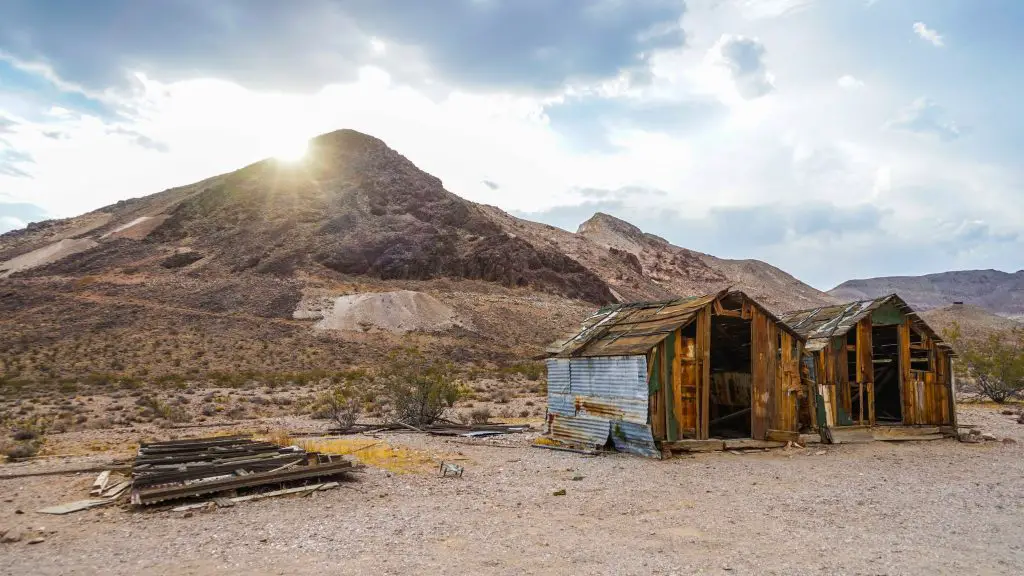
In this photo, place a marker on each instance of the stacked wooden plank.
(187, 468)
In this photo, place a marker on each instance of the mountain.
(975, 323)
(250, 271)
(998, 292)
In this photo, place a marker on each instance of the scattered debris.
(1009, 441)
(989, 437)
(100, 484)
(228, 502)
(820, 453)
(577, 478)
(449, 469)
(188, 468)
(37, 540)
(75, 506)
(560, 492)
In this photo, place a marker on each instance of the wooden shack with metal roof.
(874, 363)
(646, 377)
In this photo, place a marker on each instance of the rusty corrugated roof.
(817, 325)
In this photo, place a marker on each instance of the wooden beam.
(750, 443)
(694, 445)
(783, 436)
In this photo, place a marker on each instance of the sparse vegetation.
(340, 405)
(995, 364)
(418, 388)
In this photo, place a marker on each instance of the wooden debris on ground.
(209, 466)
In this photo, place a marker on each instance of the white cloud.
(8, 223)
(848, 82)
(928, 34)
(758, 9)
(923, 116)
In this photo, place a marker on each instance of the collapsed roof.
(820, 324)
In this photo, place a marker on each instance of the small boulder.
(559, 492)
(989, 437)
(1008, 412)
(1009, 441)
(12, 535)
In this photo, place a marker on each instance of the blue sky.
(836, 139)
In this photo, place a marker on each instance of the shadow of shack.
(873, 363)
(648, 377)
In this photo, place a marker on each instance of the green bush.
(419, 389)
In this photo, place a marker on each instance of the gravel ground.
(938, 507)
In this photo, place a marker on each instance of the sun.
(291, 150)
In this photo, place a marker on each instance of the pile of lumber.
(226, 464)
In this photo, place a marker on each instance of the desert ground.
(938, 507)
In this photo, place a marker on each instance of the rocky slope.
(975, 323)
(219, 275)
(998, 292)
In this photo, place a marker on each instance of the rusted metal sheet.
(580, 431)
(634, 439)
(590, 398)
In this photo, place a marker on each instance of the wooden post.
(860, 395)
(703, 353)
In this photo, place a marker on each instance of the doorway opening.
(731, 381)
(885, 355)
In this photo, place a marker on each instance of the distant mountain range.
(998, 292)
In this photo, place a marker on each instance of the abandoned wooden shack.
(873, 363)
(647, 377)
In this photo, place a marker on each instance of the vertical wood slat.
(763, 351)
(865, 369)
(671, 428)
(686, 354)
(679, 398)
(658, 398)
(703, 369)
(907, 387)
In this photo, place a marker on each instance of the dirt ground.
(937, 507)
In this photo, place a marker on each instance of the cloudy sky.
(836, 139)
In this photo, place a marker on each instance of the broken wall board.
(917, 438)
(75, 506)
(852, 435)
(100, 483)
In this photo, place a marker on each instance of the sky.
(835, 139)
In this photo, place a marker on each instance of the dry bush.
(480, 415)
(995, 365)
(20, 450)
(340, 405)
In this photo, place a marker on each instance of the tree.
(995, 364)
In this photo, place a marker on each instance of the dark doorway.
(731, 382)
(885, 354)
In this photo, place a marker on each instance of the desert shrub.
(154, 407)
(340, 405)
(480, 415)
(419, 389)
(994, 364)
(19, 450)
(502, 397)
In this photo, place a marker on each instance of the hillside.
(975, 323)
(998, 292)
(249, 271)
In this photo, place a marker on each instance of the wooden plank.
(763, 373)
(751, 443)
(100, 483)
(907, 389)
(783, 436)
(694, 445)
(704, 370)
(918, 438)
(805, 439)
(665, 373)
(75, 506)
(657, 400)
(678, 396)
(223, 502)
(852, 435)
(117, 489)
(905, 430)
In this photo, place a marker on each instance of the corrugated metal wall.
(590, 399)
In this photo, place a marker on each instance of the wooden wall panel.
(686, 361)
(907, 387)
(703, 370)
(763, 357)
(657, 399)
(787, 385)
